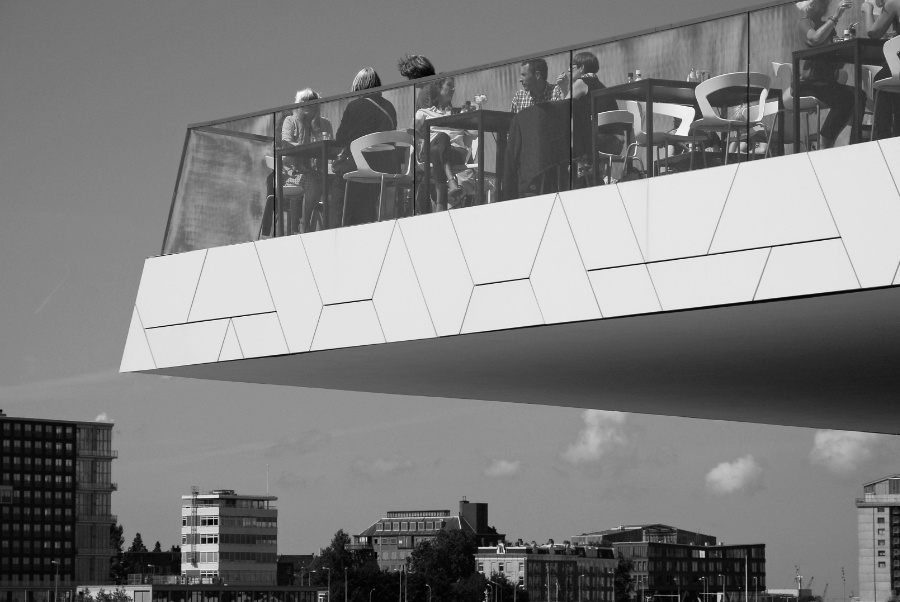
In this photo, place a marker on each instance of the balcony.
(95, 453)
(750, 276)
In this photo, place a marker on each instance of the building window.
(881, 542)
(882, 565)
(881, 531)
(880, 552)
(881, 508)
(880, 520)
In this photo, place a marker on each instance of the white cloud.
(503, 468)
(602, 432)
(842, 452)
(744, 474)
(102, 417)
(382, 467)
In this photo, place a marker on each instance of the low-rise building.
(878, 523)
(553, 572)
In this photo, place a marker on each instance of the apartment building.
(878, 522)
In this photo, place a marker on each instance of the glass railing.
(695, 96)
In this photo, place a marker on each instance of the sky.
(95, 97)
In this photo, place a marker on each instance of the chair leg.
(344, 212)
(727, 142)
(380, 198)
(874, 110)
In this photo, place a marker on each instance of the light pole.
(723, 587)
(370, 594)
(580, 586)
(345, 584)
(56, 584)
(755, 590)
(308, 578)
(705, 587)
(678, 584)
(328, 568)
(429, 592)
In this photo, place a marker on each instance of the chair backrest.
(615, 117)
(381, 141)
(637, 114)
(784, 79)
(891, 48)
(683, 113)
(740, 79)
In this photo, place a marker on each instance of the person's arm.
(579, 89)
(286, 131)
(876, 28)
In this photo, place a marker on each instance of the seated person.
(448, 147)
(302, 126)
(365, 115)
(887, 106)
(535, 87)
(820, 78)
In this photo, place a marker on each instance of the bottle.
(637, 74)
(630, 77)
(693, 76)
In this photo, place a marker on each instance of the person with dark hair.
(414, 66)
(535, 87)
(448, 147)
(819, 77)
(364, 115)
(886, 119)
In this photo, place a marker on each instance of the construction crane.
(824, 599)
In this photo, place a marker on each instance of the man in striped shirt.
(535, 87)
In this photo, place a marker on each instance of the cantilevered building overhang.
(764, 292)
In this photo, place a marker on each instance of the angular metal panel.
(231, 347)
(293, 289)
(502, 305)
(624, 291)
(137, 354)
(865, 205)
(187, 344)
(260, 335)
(167, 288)
(558, 278)
(232, 284)
(500, 240)
(773, 202)
(679, 216)
(807, 269)
(710, 280)
(440, 269)
(398, 299)
(346, 261)
(601, 227)
(348, 325)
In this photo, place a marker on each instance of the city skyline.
(95, 109)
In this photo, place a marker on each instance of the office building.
(878, 522)
(635, 533)
(229, 538)
(393, 537)
(553, 572)
(55, 506)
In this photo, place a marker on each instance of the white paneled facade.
(779, 228)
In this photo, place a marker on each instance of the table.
(482, 120)
(672, 91)
(323, 150)
(858, 52)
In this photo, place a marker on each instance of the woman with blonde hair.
(302, 126)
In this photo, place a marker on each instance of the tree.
(116, 537)
(624, 583)
(337, 557)
(138, 544)
(157, 547)
(447, 564)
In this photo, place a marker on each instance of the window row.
(19, 428)
(410, 525)
(17, 444)
(27, 479)
(55, 513)
(202, 521)
(27, 461)
(261, 557)
(249, 521)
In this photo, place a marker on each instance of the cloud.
(382, 467)
(502, 469)
(744, 474)
(299, 445)
(602, 432)
(102, 417)
(842, 452)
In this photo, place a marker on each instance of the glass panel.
(654, 77)
(389, 161)
(223, 195)
(829, 87)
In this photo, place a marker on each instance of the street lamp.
(370, 594)
(429, 592)
(329, 581)
(345, 584)
(755, 590)
(580, 586)
(705, 588)
(308, 578)
(56, 584)
(723, 587)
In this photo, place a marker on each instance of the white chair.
(892, 83)
(383, 142)
(712, 122)
(784, 78)
(661, 140)
(610, 119)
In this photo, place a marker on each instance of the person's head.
(533, 74)
(813, 9)
(414, 66)
(308, 111)
(586, 62)
(365, 79)
(441, 91)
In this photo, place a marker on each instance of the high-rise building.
(229, 538)
(393, 537)
(55, 506)
(878, 521)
